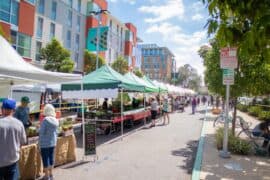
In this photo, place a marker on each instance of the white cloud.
(172, 9)
(197, 17)
(132, 2)
(183, 45)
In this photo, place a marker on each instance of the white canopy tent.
(15, 70)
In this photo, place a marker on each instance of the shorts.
(47, 155)
(164, 112)
(154, 114)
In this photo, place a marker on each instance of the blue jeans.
(47, 155)
(9, 172)
(193, 109)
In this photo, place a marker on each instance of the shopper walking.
(48, 139)
(154, 111)
(165, 111)
(193, 105)
(12, 137)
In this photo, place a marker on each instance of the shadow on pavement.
(189, 153)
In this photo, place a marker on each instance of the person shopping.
(262, 130)
(48, 140)
(154, 111)
(12, 137)
(165, 111)
(22, 112)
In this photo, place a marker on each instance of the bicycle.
(221, 119)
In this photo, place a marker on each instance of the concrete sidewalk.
(237, 167)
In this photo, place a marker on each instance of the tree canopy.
(120, 65)
(138, 72)
(244, 24)
(188, 77)
(90, 61)
(57, 57)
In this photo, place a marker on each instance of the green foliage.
(188, 77)
(120, 65)
(254, 110)
(244, 24)
(126, 98)
(235, 144)
(2, 33)
(264, 115)
(138, 73)
(242, 107)
(90, 62)
(266, 101)
(57, 57)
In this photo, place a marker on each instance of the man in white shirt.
(13, 136)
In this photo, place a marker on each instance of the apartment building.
(157, 62)
(31, 24)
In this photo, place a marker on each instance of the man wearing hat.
(13, 136)
(22, 112)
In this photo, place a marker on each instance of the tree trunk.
(234, 115)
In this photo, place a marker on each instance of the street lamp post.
(98, 14)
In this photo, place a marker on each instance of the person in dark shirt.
(262, 130)
(105, 104)
(22, 112)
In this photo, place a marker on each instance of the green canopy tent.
(160, 88)
(149, 88)
(102, 83)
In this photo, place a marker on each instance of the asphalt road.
(158, 153)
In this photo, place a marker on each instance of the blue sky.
(177, 24)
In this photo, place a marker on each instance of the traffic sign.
(228, 58)
(228, 76)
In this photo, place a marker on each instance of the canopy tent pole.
(83, 122)
(144, 99)
(122, 113)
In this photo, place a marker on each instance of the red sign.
(228, 58)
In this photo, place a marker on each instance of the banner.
(92, 38)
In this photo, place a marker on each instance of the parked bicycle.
(221, 119)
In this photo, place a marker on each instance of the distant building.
(157, 62)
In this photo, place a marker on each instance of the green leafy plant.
(264, 115)
(242, 107)
(254, 110)
(120, 65)
(235, 144)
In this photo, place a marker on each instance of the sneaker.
(45, 178)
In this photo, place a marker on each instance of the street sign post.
(228, 58)
(228, 77)
(228, 62)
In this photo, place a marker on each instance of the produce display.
(32, 131)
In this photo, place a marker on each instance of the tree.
(138, 72)
(244, 24)
(57, 57)
(188, 77)
(251, 78)
(90, 61)
(120, 65)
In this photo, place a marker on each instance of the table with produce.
(30, 162)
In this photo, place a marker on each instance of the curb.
(198, 161)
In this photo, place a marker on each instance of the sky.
(176, 24)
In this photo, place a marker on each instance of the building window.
(76, 59)
(69, 18)
(77, 42)
(54, 10)
(52, 30)
(68, 39)
(79, 5)
(31, 1)
(39, 27)
(41, 4)
(9, 10)
(22, 44)
(14, 12)
(38, 48)
(78, 23)
(70, 3)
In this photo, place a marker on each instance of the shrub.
(265, 101)
(235, 144)
(242, 107)
(254, 110)
(264, 115)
